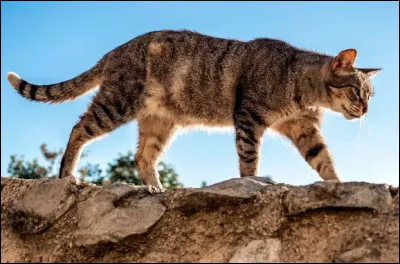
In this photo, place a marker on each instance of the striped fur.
(60, 92)
(167, 80)
(305, 134)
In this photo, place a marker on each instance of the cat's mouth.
(350, 115)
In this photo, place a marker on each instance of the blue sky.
(48, 42)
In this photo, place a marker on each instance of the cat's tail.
(59, 92)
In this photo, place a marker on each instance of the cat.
(167, 80)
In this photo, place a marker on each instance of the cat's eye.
(356, 91)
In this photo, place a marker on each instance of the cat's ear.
(369, 72)
(344, 61)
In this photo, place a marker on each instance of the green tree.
(51, 157)
(122, 169)
(203, 184)
(92, 173)
(26, 170)
(168, 176)
(32, 170)
(268, 177)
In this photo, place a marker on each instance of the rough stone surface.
(334, 194)
(258, 251)
(239, 220)
(233, 191)
(43, 204)
(115, 212)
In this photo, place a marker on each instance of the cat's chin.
(349, 116)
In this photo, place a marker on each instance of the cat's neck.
(314, 90)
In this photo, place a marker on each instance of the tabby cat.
(167, 80)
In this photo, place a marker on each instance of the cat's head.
(349, 88)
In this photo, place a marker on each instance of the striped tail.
(60, 92)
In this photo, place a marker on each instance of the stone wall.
(239, 220)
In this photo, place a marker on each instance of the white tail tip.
(14, 79)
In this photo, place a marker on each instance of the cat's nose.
(365, 109)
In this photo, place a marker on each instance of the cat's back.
(174, 45)
(193, 75)
(270, 52)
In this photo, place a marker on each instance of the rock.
(361, 254)
(334, 194)
(394, 190)
(37, 208)
(235, 190)
(239, 220)
(238, 187)
(115, 212)
(258, 251)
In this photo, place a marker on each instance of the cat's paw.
(70, 176)
(156, 189)
(333, 180)
(330, 176)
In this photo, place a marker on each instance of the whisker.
(360, 139)
(368, 128)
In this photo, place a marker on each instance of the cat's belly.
(196, 115)
(201, 117)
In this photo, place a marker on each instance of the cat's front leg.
(154, 136)
(306, 136)
(249, 131)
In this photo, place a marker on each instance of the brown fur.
(167, 80)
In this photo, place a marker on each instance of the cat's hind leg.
(109, 110)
